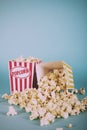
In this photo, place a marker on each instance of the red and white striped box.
(21, 75)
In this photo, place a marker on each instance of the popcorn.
(11, 101)
(50, 117)
(44, 121)
(81, 91)
(41, 97)
(28, 108)
(53, 95)
(59, 128)
(29, 59)
(5, 96)
(34, 101)
(69, 108)
(19, 59)
(47, 119)
(41, 111)
(83, 104)
(11, 111)
(22, 104)
(69, 125)
(32, 59)
(34, 115)
(65, 115)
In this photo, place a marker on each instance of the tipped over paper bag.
(65, 75)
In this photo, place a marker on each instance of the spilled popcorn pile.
(56, 77)
(50, 101)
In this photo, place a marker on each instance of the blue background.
(50, 30)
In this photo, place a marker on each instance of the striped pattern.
(69, 75)
(20, 75)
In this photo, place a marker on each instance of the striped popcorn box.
(65, 74)
(69, 75)
(21, 75)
